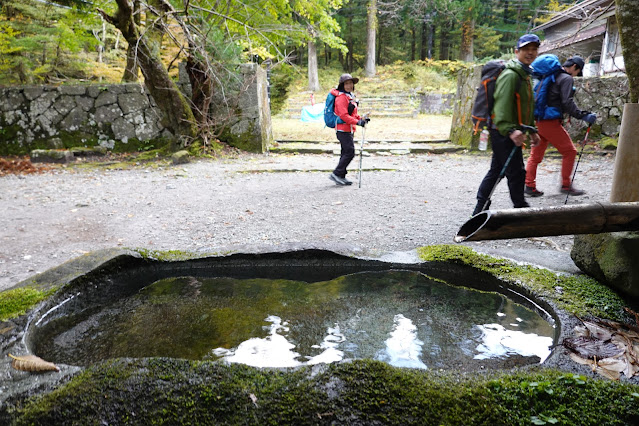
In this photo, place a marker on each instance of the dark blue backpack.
(330, 118)
(545, 68)
(484, 99)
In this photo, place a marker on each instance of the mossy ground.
(168, 391)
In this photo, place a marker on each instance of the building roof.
(583, 10)
(573, 38)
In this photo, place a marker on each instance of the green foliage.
(487, 43)
(282, 78)
(18, 301)
(40, 42)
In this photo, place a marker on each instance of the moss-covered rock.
(168, 391)
(612, 259)
(180, 157)
(580, 295)
(51, 156)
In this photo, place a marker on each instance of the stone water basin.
(290, 309)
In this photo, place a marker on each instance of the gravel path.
(257, 202)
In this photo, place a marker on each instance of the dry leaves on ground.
(21, 166)
(608, 347)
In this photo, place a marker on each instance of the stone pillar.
(613, 258)
(252, 130)
(625, 179)
(461, 129)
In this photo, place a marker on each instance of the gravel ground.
(260, 202)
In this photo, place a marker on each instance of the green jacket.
(505, 109)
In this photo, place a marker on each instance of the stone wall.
(605, 96)
(120, 117)
(66, 116)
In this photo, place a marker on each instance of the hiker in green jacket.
(513, 107)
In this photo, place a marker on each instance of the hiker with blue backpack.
(341, 113)
(512, 117)
(553, 99)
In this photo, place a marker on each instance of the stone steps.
(378, 147)
(400, 105)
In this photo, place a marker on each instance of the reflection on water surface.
(403, 318)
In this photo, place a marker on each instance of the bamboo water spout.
(544, 222)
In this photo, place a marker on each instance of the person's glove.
(590, 118)
(363, 121)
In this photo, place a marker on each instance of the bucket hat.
(346, 77)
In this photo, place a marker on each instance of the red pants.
(551, 131)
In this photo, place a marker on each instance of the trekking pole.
(583, 144)
(361, 154)
(502, 173)
(501, 176)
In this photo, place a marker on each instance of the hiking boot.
(532, 192)
(522, 206)
(338, 180)
(348, 182)
(570, 190)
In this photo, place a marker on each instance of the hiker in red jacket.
(346, 110)
(560, 96)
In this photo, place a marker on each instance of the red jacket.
(342, 99)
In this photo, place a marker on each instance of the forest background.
(417, 42)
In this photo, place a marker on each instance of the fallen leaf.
(608, 347)
(32, 363)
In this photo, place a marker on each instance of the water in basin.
(404, 318)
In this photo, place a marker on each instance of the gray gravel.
(260, 202)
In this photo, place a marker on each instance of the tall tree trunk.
(627, 13)
(466, 47)
(349, 45)
(132, 69)
(422, 50)
(444, 43)
(506, 11)
(371, 28)
(413, 43)
(313, 77)
(327, 54)
(430, 39)
(380, 46)
(178, 115)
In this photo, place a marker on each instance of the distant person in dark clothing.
(560, 96)
(513, 107)
(346, 110)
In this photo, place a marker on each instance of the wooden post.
(625, 178)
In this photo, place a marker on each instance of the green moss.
(18, 301)
(166, 391)
(580, 295)
(608, 143)
(170, 255)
